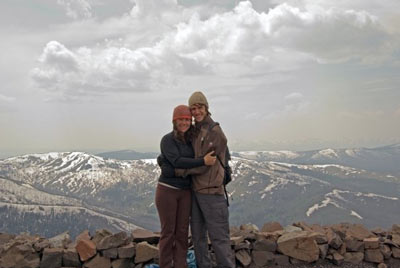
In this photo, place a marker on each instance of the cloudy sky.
(98, 75)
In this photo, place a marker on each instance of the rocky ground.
(298, 245)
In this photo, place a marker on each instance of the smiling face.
(199, 112)
(182, 124)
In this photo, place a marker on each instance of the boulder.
(4, 238)
(396, 239)
(320, 238)
(84, 235)
(337, 258)
(353, 244)
(145, 252)
(86, 249)
(359, 232)
(41, 245)
(354, 257)
(304, 226)
(122, 263)
(371, 243)
(396, 229)
(244, 245)
(98, 262)
(249, 227)
(299, 245)
(336, 242)
(113, 241)
(265, 245)
(52, 258)
(281, 260)
(60, 241)
(291, 228)
(71, 258)
(271, 227)
(19, 255)
(379, 231)
(140, 235)
(262, 258)
(236, 240)
(127, 251)
(111, 253)
(396, 252)
(323, 250)
(317, 228)
(269, 236)
(386, 252)
(382, 265)
(100, 234)
(373, 255)
(243, 257)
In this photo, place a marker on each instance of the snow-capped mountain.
(80, 183)
(380, 159)
(263, 191)
(49, 193)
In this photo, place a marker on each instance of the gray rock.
(52, 258)
(354, 245)
(98, 262)
(337, 258)
(19, 256)
(111, 253)
(140, 235)
(265, 245)
(122, 263)
(145, 252)
(271, 227)
(336, 242)
(71, 258)
(113, 241)
(386, 252)
(243, 257)
(291, 228)
(323, 250)
(281, 260)
(262, 258)
(373, 255)
(60, 241)
(127, 251)
(354, 257)
(299, 245)
(99, 235)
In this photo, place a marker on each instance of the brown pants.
(174, 208)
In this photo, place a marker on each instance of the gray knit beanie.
(198, 98)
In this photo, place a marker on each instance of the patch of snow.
(355, 214)
(150, 161)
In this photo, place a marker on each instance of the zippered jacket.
(211, 180)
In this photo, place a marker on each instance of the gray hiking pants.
(210, 213)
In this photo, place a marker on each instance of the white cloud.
(294, 96)
(6, 99)
(77, 9)
(239, 42)
(7, 104)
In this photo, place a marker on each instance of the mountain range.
(52, 192)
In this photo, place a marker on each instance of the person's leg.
(166, 204)
(199, 235)
(182, 228)
(216, 215)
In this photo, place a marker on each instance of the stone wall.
(272, 246)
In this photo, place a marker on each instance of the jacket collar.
(206, 121)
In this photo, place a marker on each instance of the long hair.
(187, 137)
